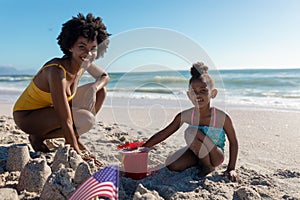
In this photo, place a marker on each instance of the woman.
(53, 105)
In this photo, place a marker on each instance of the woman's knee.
(84, 120)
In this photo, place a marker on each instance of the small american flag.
(104, 183)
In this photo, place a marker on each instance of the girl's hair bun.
(198, 69)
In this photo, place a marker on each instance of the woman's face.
(84, 50)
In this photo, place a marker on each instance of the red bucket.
(135, 164)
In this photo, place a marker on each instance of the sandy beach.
(268, 161)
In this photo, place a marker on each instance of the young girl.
(205, 136)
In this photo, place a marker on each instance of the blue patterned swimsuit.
(217, 135)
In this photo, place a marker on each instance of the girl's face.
(84, 50)
(200, 94)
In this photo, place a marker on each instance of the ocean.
(253, 88)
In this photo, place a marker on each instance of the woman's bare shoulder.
(52, 69)
(53, 61)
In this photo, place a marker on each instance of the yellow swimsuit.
(34, 98)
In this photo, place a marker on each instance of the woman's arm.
(165, 133)
(57, 86)
(88, 96)
(99, 74)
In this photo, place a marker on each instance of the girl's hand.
(232, 175)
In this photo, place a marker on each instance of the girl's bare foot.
(38, 144)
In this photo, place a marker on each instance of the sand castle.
(56, 180)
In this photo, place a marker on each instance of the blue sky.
(234, 34)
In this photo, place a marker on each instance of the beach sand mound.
(161, 184)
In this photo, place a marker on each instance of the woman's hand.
(88, 60)
(73, 143)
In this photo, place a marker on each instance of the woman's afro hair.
(89, 27)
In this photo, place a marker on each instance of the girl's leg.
(204, 148)
(199, 149)
(181, 160)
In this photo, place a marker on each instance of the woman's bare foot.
(38, 144)
(53, 144)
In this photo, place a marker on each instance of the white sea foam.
(278, 89)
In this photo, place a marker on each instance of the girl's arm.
(57, 86)
(233, 143)
(165, 133)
